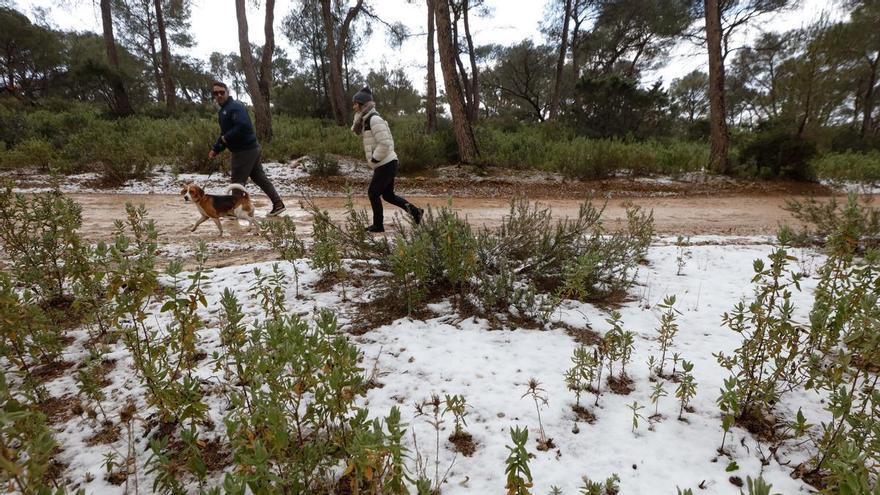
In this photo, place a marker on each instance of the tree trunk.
(154, 55)
(170, 99)
(464, 80)
(335, 51)
(474, 108)
(560, 62)
(157, 74)
(720, 137)
(266, 61)
(431, 100)
(258, 85)
(121, 102)
(464, 134)
(868, 110)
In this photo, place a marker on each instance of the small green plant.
(432, 410)
(26, 445)
(457, 406)
(282, 236)
(322, 165)
(657, 393)
(539, 396)
(636, 415)
(88, 380)
(269, 288)
(681, 253)
(668, 328)
(758, 486)
(611, 486)
(687, 387)
(519, 476)
(326, 249)
(728, 403)
(580, 376)
(769, 358)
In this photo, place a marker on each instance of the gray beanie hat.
(363, 96)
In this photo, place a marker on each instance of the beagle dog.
(214, 206)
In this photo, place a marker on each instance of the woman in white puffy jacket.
(379, 151)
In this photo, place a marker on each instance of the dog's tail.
(238, 187)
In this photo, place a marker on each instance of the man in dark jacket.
(237, 134)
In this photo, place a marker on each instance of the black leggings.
(382, 187)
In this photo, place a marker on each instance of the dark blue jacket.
(235, 128)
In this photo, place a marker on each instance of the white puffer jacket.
(378, 143)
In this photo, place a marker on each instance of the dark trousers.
(247, 164)
(382, 187)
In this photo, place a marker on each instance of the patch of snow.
(491, 367)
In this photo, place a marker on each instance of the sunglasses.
(218, 93)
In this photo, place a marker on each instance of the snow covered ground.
(491, 367)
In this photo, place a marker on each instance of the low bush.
(39, 234)
(34, 152)
(777, 153)
(848, 166)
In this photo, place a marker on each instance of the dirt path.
(727, 215)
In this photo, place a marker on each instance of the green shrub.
(778, 154)
(322, 165)
(27, 445)
(294, 419)
(107, 149)
(39, 235)
(848, 166)
(32, 153)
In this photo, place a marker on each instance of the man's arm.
(218, 147)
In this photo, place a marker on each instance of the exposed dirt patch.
(583, 336)
(584, 414)
(545, 444)
(50, 371)
(621, 385)
(382, 311)
(55, 469)
(710, 213)
(759, 424)
(463, 443)
(117, 477)
(59, 409)
(108, 434)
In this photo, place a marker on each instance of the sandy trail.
(738, 215)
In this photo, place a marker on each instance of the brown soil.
(583, 336)
(621, 385)
(761, 425)
(51, 371)
(59, 410)
(698, 211)
(545, 445)
(464, 443)
(108, 434)
(117, 477)
(584, 414)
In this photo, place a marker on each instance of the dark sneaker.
(416, 213)
(276, 210)
(375, 228)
